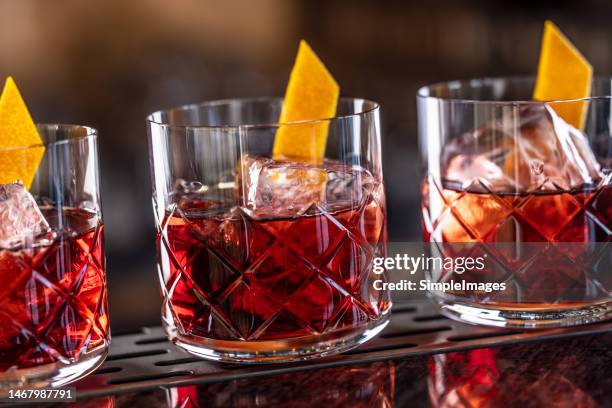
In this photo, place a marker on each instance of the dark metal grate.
(145, 359)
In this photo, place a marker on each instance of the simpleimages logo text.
(411, 264)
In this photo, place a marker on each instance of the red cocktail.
(546, 247)
(512, 181)
(53, 303)
(264, 258)
(262, 274)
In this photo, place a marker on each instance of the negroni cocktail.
(53, 312)
(269, 214)
(53, 302)
(294, 262)
(530, 193)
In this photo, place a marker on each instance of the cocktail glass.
(266, 260)
(53, 305)
(508, 179)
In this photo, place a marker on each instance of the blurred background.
(108, 64)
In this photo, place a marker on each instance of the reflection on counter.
(359, 386)
(570, 372)
(535, 375)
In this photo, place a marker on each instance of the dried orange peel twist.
(21, 148)
(563, 73)
(312, 94)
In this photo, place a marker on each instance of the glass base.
(276, 351)
(54, 374)
(526, 316)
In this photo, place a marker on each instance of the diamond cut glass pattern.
(262, 257)
(298, 276)
(512, 183)
(54, 326)
(539, 274)
(55, 310)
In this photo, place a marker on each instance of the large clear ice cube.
(532, 151)
(20, 218)
(272, 188)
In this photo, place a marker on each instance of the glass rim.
(375, 106)
(425, 92)
(91, 133)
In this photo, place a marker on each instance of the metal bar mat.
(146, 359)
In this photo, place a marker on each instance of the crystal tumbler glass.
(508, 180)
(264, 259)
(53, 306)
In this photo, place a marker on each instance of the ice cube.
(287, 189)
(280, 188)
(20, 218)
(546, 154)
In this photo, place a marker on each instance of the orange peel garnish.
(563, 73)
(312, 93)
(21, 148)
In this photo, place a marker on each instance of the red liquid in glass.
(552, 276)
(231, 277)
(53, 294)
(463, 216)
